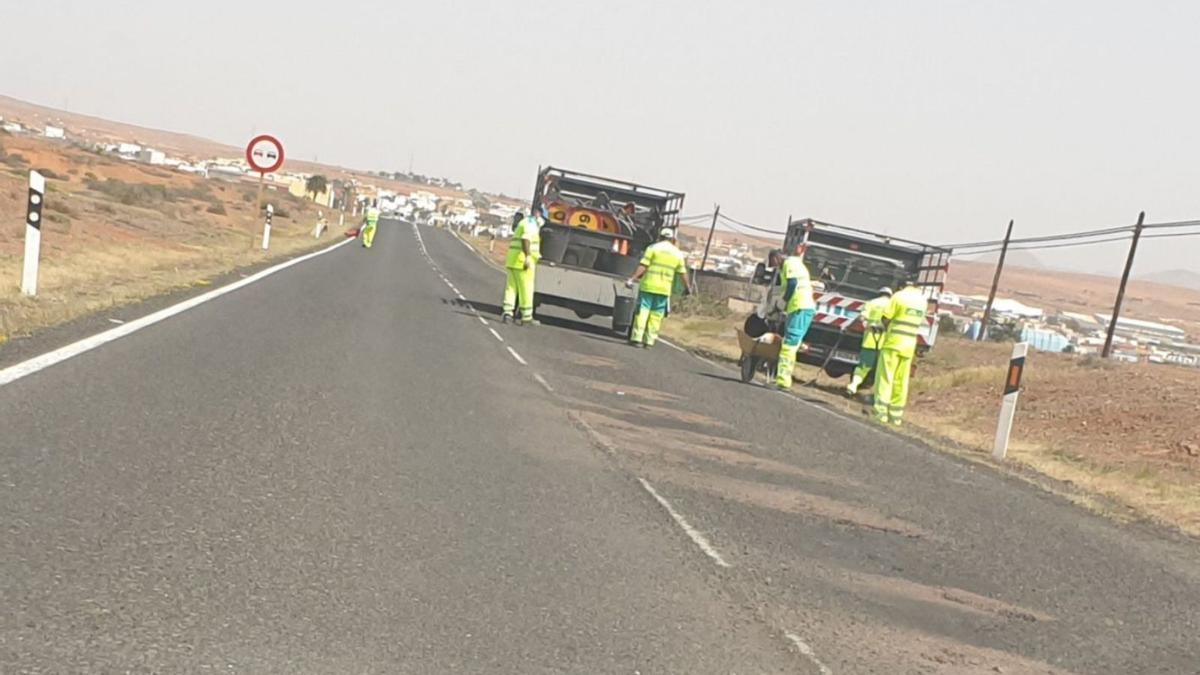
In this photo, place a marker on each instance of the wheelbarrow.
(758, 353)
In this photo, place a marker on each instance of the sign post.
(1012, 389)
(33, 233)
(264, 154)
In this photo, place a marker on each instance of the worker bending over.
(800, 307)
(656, 272)
(370, 223)
(868, 353)
(902, 320)
(524, 250)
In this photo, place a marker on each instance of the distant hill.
(1181, 278)
(1014, 258)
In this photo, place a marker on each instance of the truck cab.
(595, 232)
(849, 266)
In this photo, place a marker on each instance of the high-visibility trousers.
(369, 234)
(891, 385)
(652, 307)
(867, 358)
(795, 328)
(518, 291)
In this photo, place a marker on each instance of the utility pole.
(716, 213)
(987, 311)
(1112, 324)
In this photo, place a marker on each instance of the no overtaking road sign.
(264, 154)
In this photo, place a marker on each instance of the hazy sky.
(934, 120)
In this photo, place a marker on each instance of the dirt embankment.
(116, 231)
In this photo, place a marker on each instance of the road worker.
(799, 308)
(868, 353)
(370, 223)
(524, 250)
(902, 319)
(655, 277)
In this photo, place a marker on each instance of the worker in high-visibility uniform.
(902, 319)
(524, 251)
(868, 353)
(370, 223)
(655, 277)
(799, 309)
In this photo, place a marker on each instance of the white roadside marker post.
(319, 228)
(1012, 389)
(33, 233)
(267, 227)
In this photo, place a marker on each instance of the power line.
(741, 229)
(734, 221)
(1087, 243)
(1048, 237)
(1046, 246)
(1179, 223)
(1169, 235)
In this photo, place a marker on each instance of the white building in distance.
(151, 156)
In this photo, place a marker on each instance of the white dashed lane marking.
(695, 535)
(808, 652)
(692, 533)
(517, 356)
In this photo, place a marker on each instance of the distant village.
(474, 211)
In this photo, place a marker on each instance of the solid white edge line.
(495, 334)
(37, 363)
(462, 241)
(542, 381)
(517, 356)
(673, 346)
(808, 651)
(699, 539)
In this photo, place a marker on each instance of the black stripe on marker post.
(33, 214)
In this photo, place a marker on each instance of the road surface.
(351, 466)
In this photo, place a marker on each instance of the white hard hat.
(666, 233)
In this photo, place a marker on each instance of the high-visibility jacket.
(662, 260)
(793, 268)
(872, 317)
(529, 229)
(905, 316)
(372, 215)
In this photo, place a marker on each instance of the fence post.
(1012, 389)
(711, 229)
(987, 311)
(33, 233)
(1112, 324)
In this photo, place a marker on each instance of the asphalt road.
(351, 466)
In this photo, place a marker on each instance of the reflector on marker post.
(1012, 389)
(33, 233)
